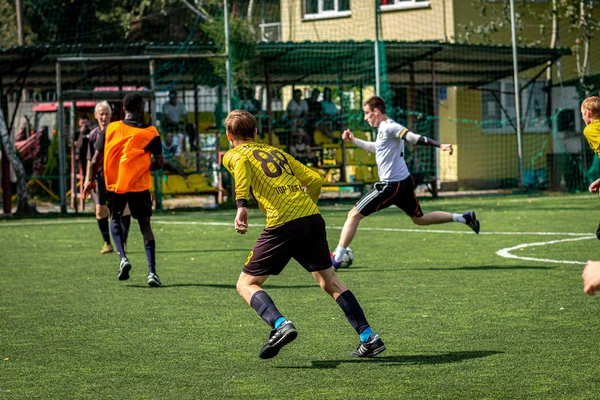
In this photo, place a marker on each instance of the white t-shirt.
(174, 112)
(295, 110)
(389, 151)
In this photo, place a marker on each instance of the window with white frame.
(499, 112)
(389, 5)
(317, 9)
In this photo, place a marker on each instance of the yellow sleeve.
(239, 166)
(593, 137)
(307, 177)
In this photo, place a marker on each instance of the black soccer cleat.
(278, 338)
(124, 269)
(471, 221)
(598, 232)
(370, 348)
(153, 280)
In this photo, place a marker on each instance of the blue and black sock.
(117, 233)
(265, 308)
(354, 314)
(150, 247)
(126, 223)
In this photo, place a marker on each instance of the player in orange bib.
(126, 148)
(294, 229)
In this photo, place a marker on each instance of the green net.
(444, 69)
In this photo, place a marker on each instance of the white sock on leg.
(458, 218)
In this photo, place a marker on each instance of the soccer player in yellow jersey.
(294, 229)
(590, 113)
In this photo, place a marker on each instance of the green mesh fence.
(445, 71)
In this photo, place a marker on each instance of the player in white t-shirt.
(396, 185)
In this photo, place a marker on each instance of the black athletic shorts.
(140, 203)
(384, 194)
(98, 195)
(303, 239)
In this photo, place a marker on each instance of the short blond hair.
(592, 104)
(240, 124)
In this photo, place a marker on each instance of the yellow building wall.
(431, 23)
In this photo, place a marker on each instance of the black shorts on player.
(304, 239)
(140, 203)
(387, 193)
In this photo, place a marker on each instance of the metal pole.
(517, 91)
(62, 157)
(197, 128)
(19, 11)
(74, 153)
(157, 174)
(377, 82)
(228, 64)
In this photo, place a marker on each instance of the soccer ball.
(348, 258)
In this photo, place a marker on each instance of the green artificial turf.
(458, 320)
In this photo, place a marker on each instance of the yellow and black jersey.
(592, 134)
(275, 179)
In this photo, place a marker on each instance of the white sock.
(338, 254)
(458, 218)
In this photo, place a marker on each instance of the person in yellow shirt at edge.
(590, 113)
(294, 229)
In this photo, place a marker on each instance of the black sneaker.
(472, 221)
(124, 269)
(278, 338)
(370, 348)
(153, 280)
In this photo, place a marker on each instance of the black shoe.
(153, 280)
(598, 231)
(124, 269)
(370, 348)
(472, 221)
(278, 338)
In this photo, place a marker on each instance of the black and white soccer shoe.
(370, 348)
(472, 221)
(285, 334)
(124, 268)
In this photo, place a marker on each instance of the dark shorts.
(384, 194)
(303, 239)
(98, 195)
(140, 203)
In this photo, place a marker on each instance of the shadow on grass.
(482, 268)
(225, 286)
(191, 251)
(445, 358)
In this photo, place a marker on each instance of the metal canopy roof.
(353, 62)
(281, 63)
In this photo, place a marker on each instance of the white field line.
(506, 252)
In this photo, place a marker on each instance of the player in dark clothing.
(102, 113)
(126, 149)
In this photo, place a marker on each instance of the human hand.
(447, 147)
(594, 186)
(591, 277)
(241, 220)
(88, 187)
(348, 136)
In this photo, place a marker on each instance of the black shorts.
(98, 195)
(384, 194)
(140, 203)
(303, 239)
